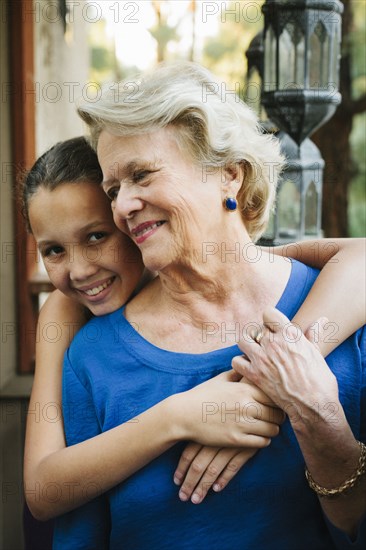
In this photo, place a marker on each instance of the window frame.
(22, 116)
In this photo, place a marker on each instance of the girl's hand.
(203, 467)
(222, 413)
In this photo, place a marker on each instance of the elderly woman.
(192, 181)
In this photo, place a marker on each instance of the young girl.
(94, 265)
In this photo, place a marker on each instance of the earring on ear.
(230, 204)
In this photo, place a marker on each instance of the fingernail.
(183, 496)
(216, 487)
(177, 480)
(195, 498)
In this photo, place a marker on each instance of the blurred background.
(56, 51)
(118, 39)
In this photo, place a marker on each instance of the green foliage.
(357, 195)
(357, 192)
(164, 34)
(224, 53)
(358, 47)
(101, 58)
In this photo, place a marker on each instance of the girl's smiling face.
(85, 255)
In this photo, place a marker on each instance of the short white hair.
(215, 128)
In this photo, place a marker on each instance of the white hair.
(217, 129)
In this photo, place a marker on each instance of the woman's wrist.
(347, 485)
(330, 450)
(317, 417)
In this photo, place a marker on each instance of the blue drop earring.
(231, 204)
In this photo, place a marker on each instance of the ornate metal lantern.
(253, 87)
(299, 194)
(299, 73)
(301, 63)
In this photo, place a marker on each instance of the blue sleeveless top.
(111, 374)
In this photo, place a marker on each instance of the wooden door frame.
(22, 97)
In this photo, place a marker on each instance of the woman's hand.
(289, 369)
(202, 467)
(294, 374)
(220, 412)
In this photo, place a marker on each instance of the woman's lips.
(144, 230)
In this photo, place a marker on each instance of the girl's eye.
(52, 251)
(97, 236)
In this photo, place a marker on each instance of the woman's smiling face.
(160, 197)
(84, 253)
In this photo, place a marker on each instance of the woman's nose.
(125, 206)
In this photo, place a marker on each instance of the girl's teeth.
(94, 291)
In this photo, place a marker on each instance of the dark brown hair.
(70, 161)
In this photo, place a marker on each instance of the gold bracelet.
(348, 484)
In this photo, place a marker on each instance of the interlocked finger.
(232, 468)
(224, 466)
(196, 470)
(254, 412)
(211, 474)
(257, 337)
(185, 461)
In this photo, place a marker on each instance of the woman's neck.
(198, 301)
(185, 314)
(223, 283)
(234, 280)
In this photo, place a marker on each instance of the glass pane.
(319, 57)
(288, 209)
(287, 60)
(311, 209)
(270, 61)
(334, 77)
(292, 57)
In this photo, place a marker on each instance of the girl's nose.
(82, 267)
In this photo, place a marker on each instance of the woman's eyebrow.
(138, 164)
(120, 171)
